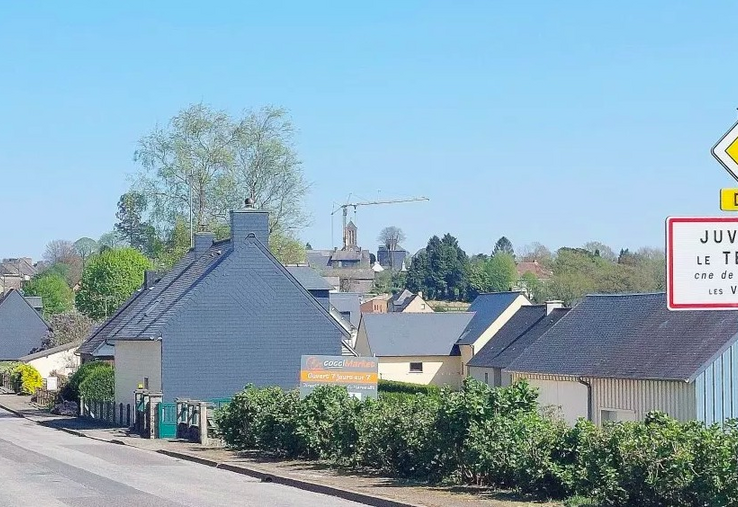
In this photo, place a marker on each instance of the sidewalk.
(309, 475)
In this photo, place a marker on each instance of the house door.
(167, 420)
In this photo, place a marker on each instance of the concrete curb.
(353, 496)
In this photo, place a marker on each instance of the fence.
(107, 412)
(45, 398)
(195, 421)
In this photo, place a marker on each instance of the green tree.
(212, 160)
(441, 271)
(501, 272)
(62, 252)
(504, 245)
(85, 247)
(286, 248)
(55, 294)
(109, 279)
(131, 225)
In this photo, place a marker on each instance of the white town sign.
(702, 263)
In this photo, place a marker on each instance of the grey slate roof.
(518, 333)
(348, 302)
(147, 311)
(309, 278)
(21, 327)
(48, 352)
(630, 336)
(487, 308)
(414, 334)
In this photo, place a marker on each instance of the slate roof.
(414, 334)
(309, 278)
(346, 255)
(48, 352)
(487, 308)
(518, 333)
(147, 311)
(631, 336)
(347, 302)
(318, 259)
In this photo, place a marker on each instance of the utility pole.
(192, 232)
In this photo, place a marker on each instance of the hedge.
(393, 386)
(99, 385)
(493, 437)
(71, 391)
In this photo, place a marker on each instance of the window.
(616, 415)
(416, 367)
(486, 378)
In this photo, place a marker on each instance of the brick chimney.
(249, 221)
(203, 241)
(553, 305)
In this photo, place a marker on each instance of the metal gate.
(167, 419)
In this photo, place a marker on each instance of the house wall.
(624, 399)
(437, 370)
(716, 389)
(64, 362)
(563, 394)
(495, 377)
(635, 398)
(135, 360)
(246, 322)
(493, 328)
(21, 327)
(418, 305)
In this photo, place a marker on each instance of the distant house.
(408, 302)
(617, 357)
(414, 347)
(348, 305)
(523, 329)
(391, 259)
(14, 272)
(22, 328)
(535, 268)
(376, 304)
(228, 314)
(491, 312)
(315, 284)
(61, 359)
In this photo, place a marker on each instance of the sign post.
(358, 374)
(702, 263)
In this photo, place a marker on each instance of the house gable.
(246, 321)
(21, 327)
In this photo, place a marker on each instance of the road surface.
(41, 466)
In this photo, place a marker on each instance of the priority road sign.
(726, 151)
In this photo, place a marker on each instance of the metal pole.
(192, 234)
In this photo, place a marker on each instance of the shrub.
(393, 386)
(394, 435)
(261, 419)
(26, 379)
(327, 422)
(70, 392)
(99, 385)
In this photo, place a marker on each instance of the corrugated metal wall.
(641, 396)
(717, 389)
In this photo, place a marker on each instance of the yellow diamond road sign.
(726, 151)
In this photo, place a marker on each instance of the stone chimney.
(553, 305)
(249, 221)
(203, 241)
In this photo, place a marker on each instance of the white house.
(617, 357)
(61, 359)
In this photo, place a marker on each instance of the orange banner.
(333, 377)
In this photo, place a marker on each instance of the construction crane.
(345, 207)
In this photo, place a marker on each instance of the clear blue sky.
(558, 122)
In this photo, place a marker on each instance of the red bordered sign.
(702, 263)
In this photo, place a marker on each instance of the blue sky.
(559, 122)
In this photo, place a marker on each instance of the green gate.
(167, 420)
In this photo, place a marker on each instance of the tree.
(60, 250)
(441, 271)
(55, 294)
(286, 248)
(84, 248)
(501, 272)
(391, 237)
(68, 327)
(601, 250)
(109, 279)
(503, 245)
(109, 240)
(536, 252)
(215, 161)
(131, 226)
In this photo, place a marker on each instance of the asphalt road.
(45, 467)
